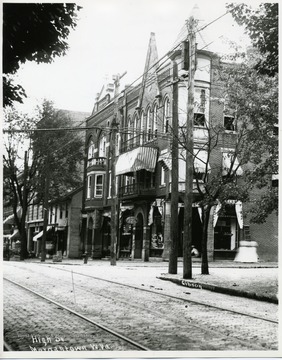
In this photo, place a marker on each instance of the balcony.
(98, 163)
(139, 140)
(132, 191)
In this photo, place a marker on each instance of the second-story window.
(229, 115)
(155, 121)
(102, 146)
(142, 128)
(199, 107)
(99, 185)
(91, 150)
(136, 130)
(89, 181)
(149, 125)
(167, 117)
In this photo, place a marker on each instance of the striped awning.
(141, 158)
(227, 158)
(165, 160)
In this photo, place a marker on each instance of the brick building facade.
(143, 165)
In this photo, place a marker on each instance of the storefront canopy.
(141, 158)
(40, 234)
(227, 159)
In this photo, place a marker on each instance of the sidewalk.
(251, 280)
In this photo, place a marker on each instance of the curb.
(220, 289)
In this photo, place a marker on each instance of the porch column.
(146, 243)
(167, 239)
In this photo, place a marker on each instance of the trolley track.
(197, 302)
(95, 290)
(76, 314)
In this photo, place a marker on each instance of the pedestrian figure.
(195, 252)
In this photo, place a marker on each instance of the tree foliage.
(261, 25)
(252, 99)
(24, 177)
(33, 32)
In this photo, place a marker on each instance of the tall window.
(199, 107)
(167, 116)
(142, 127)
(99, 185)
(89, 180)
(102, 146)
(149, 125)
(155, 121)
(90, 150)
(136, 129)
(228, 114)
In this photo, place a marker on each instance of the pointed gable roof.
(202, 37)
(150, 79)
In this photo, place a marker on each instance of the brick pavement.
(128, 272)
(253, 280)
(31, 324)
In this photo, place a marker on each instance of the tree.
(25, 171)
(33, 32)
(262, 27)
(252, 99)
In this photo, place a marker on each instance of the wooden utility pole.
(114, 129)
(114, 203)
(172, 269)
(188, 199)
(23, 251)
(45, 209)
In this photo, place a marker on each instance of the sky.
(112, 37)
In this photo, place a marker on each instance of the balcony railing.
(136, 189)
(138, 140)
(99, 161)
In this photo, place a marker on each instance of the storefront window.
(225, 234)
(156, 239)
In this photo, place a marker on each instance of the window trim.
(101, 186)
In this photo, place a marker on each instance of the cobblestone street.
(149, 318)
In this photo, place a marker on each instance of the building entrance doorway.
(88, 248)
(138, 237)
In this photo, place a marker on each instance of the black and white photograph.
(140, 168)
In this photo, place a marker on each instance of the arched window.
(142, 127)
(155, 121)
(91, 148)
(102, 146)
(167, 115)
(149, 125)
(136, 129)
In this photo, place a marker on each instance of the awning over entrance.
(40, 234)
(238, 209)
(165, 160)
(227, 158)
(141, 158)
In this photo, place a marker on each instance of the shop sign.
(131, 220)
